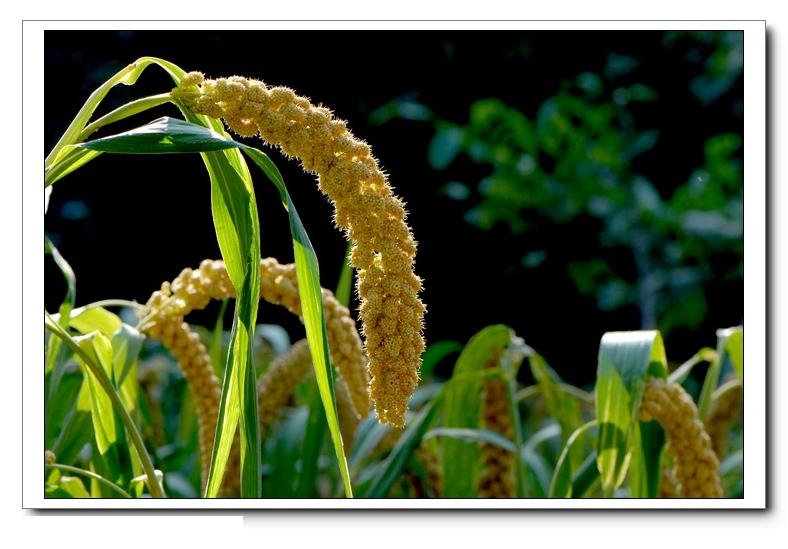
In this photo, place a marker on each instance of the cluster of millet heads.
(193, 289)
(365, 207)
(696, 464)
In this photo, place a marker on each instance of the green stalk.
(117, 403)
(90, 474)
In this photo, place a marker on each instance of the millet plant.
(246, 413)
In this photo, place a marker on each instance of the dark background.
(127, 223)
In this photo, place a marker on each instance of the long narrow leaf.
(238, 233)
(626, 359)
(117, 403)
(462, 410)
(392, 467)
(727, 339)
(473, 435)
(174, 136)
(310, 292)
(561, 485)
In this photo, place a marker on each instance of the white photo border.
(755, 184)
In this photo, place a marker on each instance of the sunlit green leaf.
(626, 359)
(462, 409)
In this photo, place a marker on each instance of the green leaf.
(310, 293)
(73, 488)
(99, 348)
(561, 405)
(345, 284)
(561, 484)
(435, 353)
(648, 442)
(128, 76)
(730, 344)
(89, 474)
(163, 136)
(59, 405)
(215, 349)
(680, 374)
(77, 430)
(55, 362)
(285, 455)
(445, 145)
(238, 233)
(586, 477)
(70, 159)
(735, 349)
(473, 435)
(126, 346)
(368, 435)
(626, 359)
(104, 381)
(234, 225)
(64, 157)
(538, 473)
(461, 409)
(95, 319)
(392, 467)
(306, 479)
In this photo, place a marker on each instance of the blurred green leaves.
(575, 160)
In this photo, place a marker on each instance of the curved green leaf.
(390, 469)
(730, 344)
(626, 359)
(473, 435)
(461, 409)
(561, 484)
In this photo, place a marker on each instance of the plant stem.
(117, 403)
(90, 474)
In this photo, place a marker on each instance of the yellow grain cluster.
(280, 380)
(193, 289)
(697, 465)
(725, 408)
(195, 363)
(276, 386)
(667, 483)
(497, 476)
(49, 457)
(365, 207)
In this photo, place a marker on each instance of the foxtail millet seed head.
(277, 385)
(365, 208)
(696, 463)
(497, 477)
(279, 382)
(195, 363)
(195, 288)
(667, 483)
